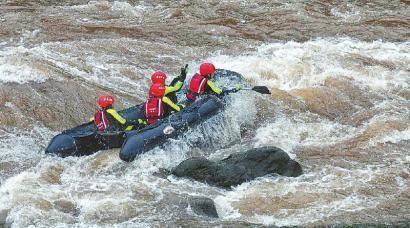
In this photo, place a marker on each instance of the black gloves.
(184, 71)
(233, 90)
(174, 81)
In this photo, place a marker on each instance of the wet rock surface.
(203, 206)
(239, 168)
(3, 217)
(66, 206)
(47, 103)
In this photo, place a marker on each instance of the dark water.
(339, 74)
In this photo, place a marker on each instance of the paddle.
(259, 89)
(181, 77)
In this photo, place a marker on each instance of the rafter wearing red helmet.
(202, 83)
(108, 119)
(158, 105)
(159, 77)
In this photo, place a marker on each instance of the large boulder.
(239, 168)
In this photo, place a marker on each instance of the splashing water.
(339, 106)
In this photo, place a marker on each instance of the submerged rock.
(66, 206)
(239, 168)
(3, 217)
(188, 206)
(203, 206)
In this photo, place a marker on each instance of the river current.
(339, 73)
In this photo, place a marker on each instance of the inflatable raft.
(138, 142)
(85, 140)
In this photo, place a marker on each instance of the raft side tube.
(138, 144)
(141, 142)
(62, 145)
(87, 144)
(109, 140)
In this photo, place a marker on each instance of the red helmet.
(105, 101)
(206, 69)
(157, 90)
(158, 77)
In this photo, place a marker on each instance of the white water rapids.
(339, 106)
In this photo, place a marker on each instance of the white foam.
(287, 134)
(29, 143)
(350, 15)
(127, 9)
(401, 183)
(312, 185)
(15, 68)
(94, 69)
(121, 8)
(391, 137)
(28, 35)
(293, 65)
(224, 208)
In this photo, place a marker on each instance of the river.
(339, 73)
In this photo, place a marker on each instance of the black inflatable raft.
(138, 142)
(85, 140)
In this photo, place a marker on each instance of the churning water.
(339, 74)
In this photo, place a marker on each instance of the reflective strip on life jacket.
(104, 120)
(153, 109)
(160, 108)
(100, 120)
(202, 86)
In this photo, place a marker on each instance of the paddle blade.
(261, 89)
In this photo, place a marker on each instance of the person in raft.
(107, 118)
(159, 77)
(202, 83)
(159, 106)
